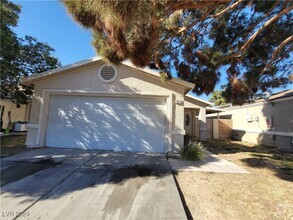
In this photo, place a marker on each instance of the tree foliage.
(20, 57)
(249, 41)
(217, 98)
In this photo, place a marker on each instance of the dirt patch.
(254, 156)
(265, 193)
(11, 145)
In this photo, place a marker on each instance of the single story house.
(266, 121)
(95, 105)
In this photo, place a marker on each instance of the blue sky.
(49, 22)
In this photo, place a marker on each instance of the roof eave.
(32, 78)
(188, 86)
(29, 80)
(199, 100)
(215, 109)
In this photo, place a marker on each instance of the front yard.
(11, 145)
(265, 193)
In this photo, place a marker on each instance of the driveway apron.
(77, 184)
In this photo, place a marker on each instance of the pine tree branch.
(205, 16)
(199, 4)
(264, 17)
(268, 23)
(228, 8)
(279, 48)
(253, 37)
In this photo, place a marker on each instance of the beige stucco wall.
(130, 82)
(283, 115)
(17, 114)
(281, 142)
(280, 112)
(240, 117)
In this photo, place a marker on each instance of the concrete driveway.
(71, 184)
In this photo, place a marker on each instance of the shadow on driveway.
(66, 183)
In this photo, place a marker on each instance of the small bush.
(188, 139)
(193, 151)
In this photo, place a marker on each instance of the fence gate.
(209, 128)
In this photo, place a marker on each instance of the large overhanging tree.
(250, 41)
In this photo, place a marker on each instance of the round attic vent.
(107, 73)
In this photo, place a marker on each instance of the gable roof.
(64, 69)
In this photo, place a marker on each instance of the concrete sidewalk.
(210, 163)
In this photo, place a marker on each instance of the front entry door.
(188, 122)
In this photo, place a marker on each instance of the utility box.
(20, 126)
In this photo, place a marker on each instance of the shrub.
(188, 139)
(193, 151)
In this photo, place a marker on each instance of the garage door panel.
(106, 123)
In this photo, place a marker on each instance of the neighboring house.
(17, 113)
(94, 105)
(268, 122)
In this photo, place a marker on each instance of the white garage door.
(121, 124)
